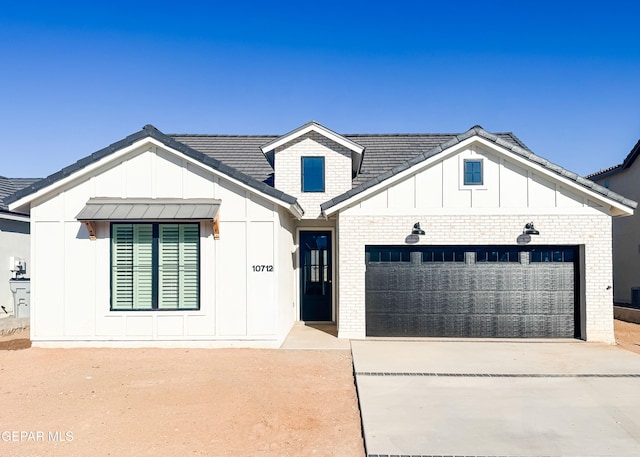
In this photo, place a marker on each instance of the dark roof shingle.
(8, 186)
(241, 157)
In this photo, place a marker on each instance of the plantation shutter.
(143, 266)
(122, 266)
(132, 266)
(178, 266)
(190, 278)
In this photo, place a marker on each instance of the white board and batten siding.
(494, 213)
(71, 286)
(508, 188)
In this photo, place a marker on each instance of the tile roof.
(9, 186)
(508, 141)
(385, 152)
(151, 131)
(240, 152)
(626, 163)
(241, 157)
(382, 151)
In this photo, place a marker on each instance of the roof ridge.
(494, 138)
(152, 132)
(603, 171)
(223, 135)
(253, 135)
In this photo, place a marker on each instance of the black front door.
(315, 275)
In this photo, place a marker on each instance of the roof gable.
(384, 152)
(9, 186)
(25, 195)
(356, 149)
(497, 143)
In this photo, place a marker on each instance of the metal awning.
(149, 209)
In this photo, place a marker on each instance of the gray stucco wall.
(14, 242)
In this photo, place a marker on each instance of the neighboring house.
(187, 240)
(14, 240)
(624, 178)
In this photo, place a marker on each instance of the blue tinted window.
(472, 172)
(313, 174)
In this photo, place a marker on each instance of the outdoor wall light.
(529, 229)
(417, 230)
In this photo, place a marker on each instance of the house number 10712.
(262, 268)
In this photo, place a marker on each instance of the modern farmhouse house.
(213, 240)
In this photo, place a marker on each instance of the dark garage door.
(479, 291)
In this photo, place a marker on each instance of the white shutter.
(132, 276)
(122, 266)
(178, 263)
(143, 266)
(168, 261)
(132, 266)
(189, 273)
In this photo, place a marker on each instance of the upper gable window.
(473, 175)
(313, 174)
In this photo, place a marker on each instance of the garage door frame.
(532, 296)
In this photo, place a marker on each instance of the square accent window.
(313, 174)
(473, 173)
(155, 266)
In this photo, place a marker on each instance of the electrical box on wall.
(17, 266)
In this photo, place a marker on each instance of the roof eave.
(318, 128)
(619, 205)
(13, 216)
(22, 199)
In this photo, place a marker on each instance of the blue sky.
(78, 76)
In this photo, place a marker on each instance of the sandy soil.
(627, 335)
(183, 402)
(175, 402)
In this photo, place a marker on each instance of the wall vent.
(635, 297)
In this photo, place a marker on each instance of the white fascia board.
(14, 217)
(400, 176)
(87, 170)
(204, 166)
(296, 210)
(617, 208)
(118, 155)
(347, 143)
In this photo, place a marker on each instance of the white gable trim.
(142, 145)
(616, 208)
(312, 127)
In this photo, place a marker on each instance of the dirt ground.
(183, 402)
(176, 402)
(628, 335)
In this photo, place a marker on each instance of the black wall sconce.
(417, 230)
(529, 229)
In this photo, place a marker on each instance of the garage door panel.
(468, 326)
(473, 299)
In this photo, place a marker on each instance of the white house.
(212, 240)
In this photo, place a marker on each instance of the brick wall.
(288, 170)
(593, 231)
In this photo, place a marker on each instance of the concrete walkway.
(314, 336)
(561, 398)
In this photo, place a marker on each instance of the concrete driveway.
(498, 398)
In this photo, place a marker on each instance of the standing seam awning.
(146, 209)
(125, 209)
